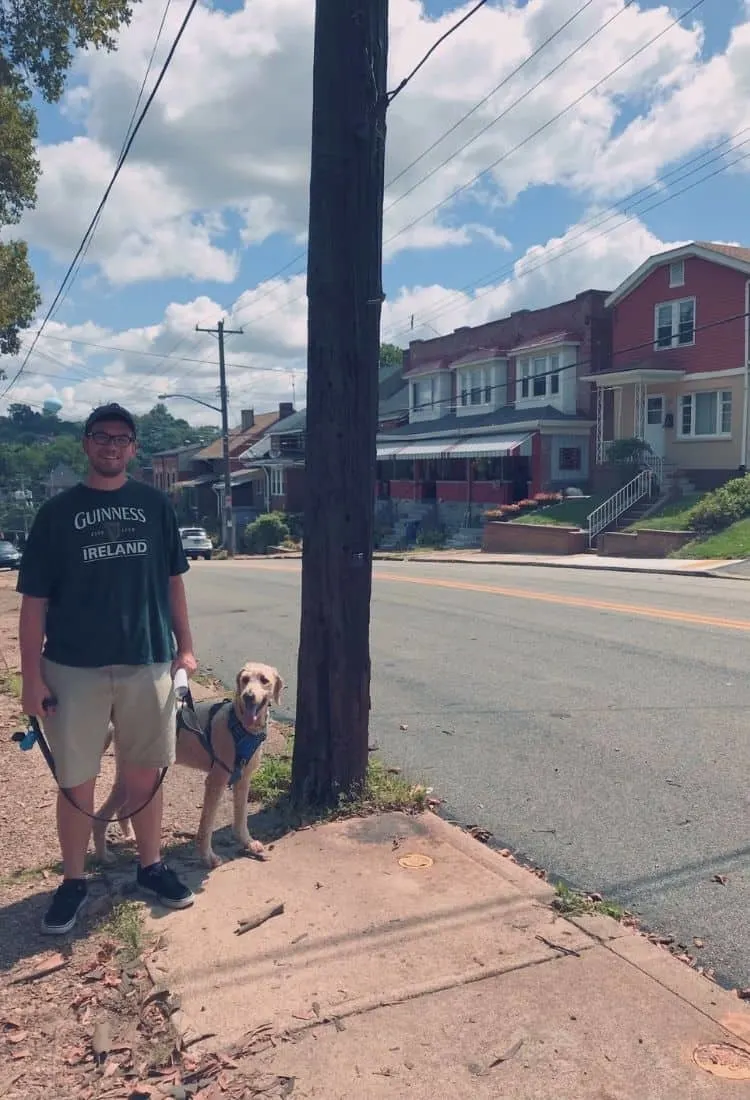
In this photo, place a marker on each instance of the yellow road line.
(659, 613)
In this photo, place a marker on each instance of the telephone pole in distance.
(229, 534)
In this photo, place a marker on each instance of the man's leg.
(144, 721)
(77, 734)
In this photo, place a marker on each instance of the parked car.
(10, 556)
(196, 543)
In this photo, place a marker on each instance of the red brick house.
(680, 361)
(500, 411)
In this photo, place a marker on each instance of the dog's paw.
(211, 860)
(254, 850)
(126, 829)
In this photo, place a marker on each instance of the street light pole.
(228, 521)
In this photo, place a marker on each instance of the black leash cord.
(41, 740)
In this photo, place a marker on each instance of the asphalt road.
(595, 723)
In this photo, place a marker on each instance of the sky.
(547, 147)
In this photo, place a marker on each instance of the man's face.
(109, 447)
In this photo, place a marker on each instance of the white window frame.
(677, 273)
(474, 382)
(722, 416)
(417, 405)
(674, 340)
(276, 487)
(535, 371)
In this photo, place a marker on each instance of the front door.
(655, 423)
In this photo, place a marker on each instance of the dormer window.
(677, 273)
(538, 377)
(475, 387)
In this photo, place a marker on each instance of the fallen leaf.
(403, 726)
(744, 994)
(721, 879)
(698, 943)
(17, 1036)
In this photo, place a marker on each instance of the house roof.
(478, 355)
(290, 425)
(547, 339)
(182, 449)
(240, 440)
(728, 255)
(451, 423)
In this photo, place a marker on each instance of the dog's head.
(258, 686)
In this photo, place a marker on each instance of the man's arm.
(185, 657)
(31, 626)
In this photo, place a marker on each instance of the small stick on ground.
(248, 923)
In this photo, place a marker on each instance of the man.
(103, 594)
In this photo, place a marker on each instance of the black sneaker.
(163, 883)
(67, 904)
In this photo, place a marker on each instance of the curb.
(630, 945)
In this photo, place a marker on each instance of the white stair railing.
(619, 502)
(655, 463)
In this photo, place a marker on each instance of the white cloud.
(229, 130)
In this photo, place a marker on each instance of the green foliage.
(19, 296)
(723, 506)
(19, 167)
(431, 538)
(38, 39)
(158, 431)
(625, 451)
(266, 531)
(391, 355)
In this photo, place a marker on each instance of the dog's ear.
(278, 687)
(237, 682)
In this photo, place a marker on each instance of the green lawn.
(569, 513)
(734, 542)
(673, 517)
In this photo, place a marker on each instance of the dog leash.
(33, 735)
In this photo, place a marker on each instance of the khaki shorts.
(138, 699)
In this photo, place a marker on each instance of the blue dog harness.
(246, 744)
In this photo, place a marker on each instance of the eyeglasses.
(102, 439)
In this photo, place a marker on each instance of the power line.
(584, 236)
(110, 185)
(452, 30)
(157, 354)
(511, 106)
(550, 122)
(136, 105)
(506, 79)
(525, 141)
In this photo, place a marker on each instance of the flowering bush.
(547, 498)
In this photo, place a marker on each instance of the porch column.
(599, 425)
(639, 411)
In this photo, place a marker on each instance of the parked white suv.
(196, 543)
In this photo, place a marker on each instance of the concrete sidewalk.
(412, 961)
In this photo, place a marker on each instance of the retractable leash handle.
(181, 688)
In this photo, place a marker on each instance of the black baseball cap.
(113, 411)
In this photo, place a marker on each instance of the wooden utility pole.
(229, 536)
(344, 289)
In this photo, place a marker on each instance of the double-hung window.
(674, 324)
(538, 377)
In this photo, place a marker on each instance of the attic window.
(677, 273)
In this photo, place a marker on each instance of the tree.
(158, 431)
(344, 289)
(391, 355)
(37, 41)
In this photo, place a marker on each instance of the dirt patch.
(54, 994)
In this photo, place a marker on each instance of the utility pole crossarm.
(229, 534)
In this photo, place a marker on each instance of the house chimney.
(248, 419)
(286, 408)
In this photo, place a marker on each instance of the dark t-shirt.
(103, 559)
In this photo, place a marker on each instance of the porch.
(469, 471)
(692, 424)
